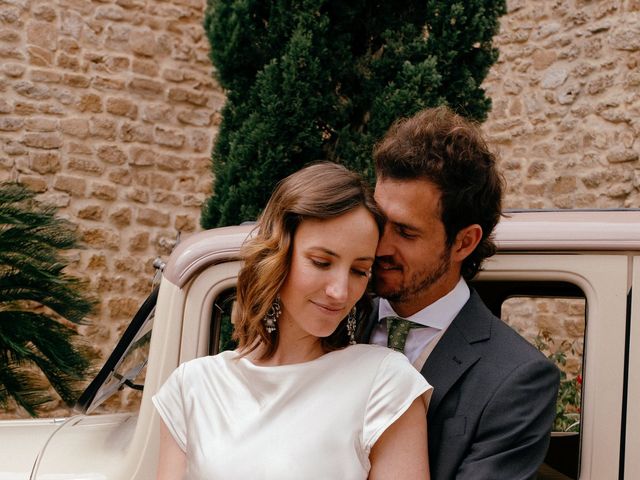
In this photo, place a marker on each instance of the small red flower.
(579, 379)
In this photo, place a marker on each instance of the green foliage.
(39, 304)
(324, 79)
(570, 391)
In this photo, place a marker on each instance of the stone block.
(155, 180)
(107, 83)
(130, 132)
(76, 81)
(69, 45)
(97, 261)
(142, 157)
(200, 141)
(187, 96)
(122, 308)
(71, 23)
(91, 212)
(162, 196)
(158, 113)
(169, 137)
(131, 4)
(84, 165)
(90, 102)
(103, 128)
(184, 223)
(5, 107)
(79, 148)
(121, 176)
(554, 77)
(58, 200)
(193, 200)
(122, 107)
(75, 186)
(39, 56)
(12, 147)
(619, 155)
(172, 163)
(564, 185)
(25, 108)
(44, 141)
(626, 34)
(10, 52)
(68, 62)
(173, 75)
(41, 124)
(34, 182)
(139, 242)
(111, 154)
(139, 195)
(13, 70)
(152, 217)
(45, 76)
(110, 12)
(11, 124)
(143, 42)
(76, 127)
(42, 34)
(32, 90)
(568, 93)
(148, 68)
(198, 118)
(104, 191)
(146, 86)
(44, 162)
(121, 216)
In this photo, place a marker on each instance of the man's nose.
(385, 245)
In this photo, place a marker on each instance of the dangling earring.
(272, 316)
(351, 326)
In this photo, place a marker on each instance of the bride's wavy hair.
(322, 190)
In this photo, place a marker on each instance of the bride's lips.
(331, 309)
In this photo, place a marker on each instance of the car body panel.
(599, 252)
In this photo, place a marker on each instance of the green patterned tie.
(398, 330)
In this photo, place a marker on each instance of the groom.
(494, 394)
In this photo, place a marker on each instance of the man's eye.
(405, 234)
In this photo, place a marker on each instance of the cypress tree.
(324, 79)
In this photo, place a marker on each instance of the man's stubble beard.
(420, 281)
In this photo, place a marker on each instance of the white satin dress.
(306, 421)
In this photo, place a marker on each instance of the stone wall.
(108, 110)
(566, 121)
(566, 103)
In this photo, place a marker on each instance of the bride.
(298, 399)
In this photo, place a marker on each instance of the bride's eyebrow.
(334, 254)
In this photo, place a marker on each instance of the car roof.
(517, 231)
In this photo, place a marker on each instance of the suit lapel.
(455, 354)
(372, 321)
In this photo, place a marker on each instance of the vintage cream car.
(593, 256)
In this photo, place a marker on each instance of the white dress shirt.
(435, 317)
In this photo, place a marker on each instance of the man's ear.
(466, 242)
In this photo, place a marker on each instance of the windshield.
(126, 364)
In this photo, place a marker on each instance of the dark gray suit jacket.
(493, 401)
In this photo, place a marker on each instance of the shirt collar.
(439, 314)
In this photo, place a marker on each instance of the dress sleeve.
(169, 401)
(396, 385)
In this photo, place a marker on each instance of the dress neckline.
(286, 366)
